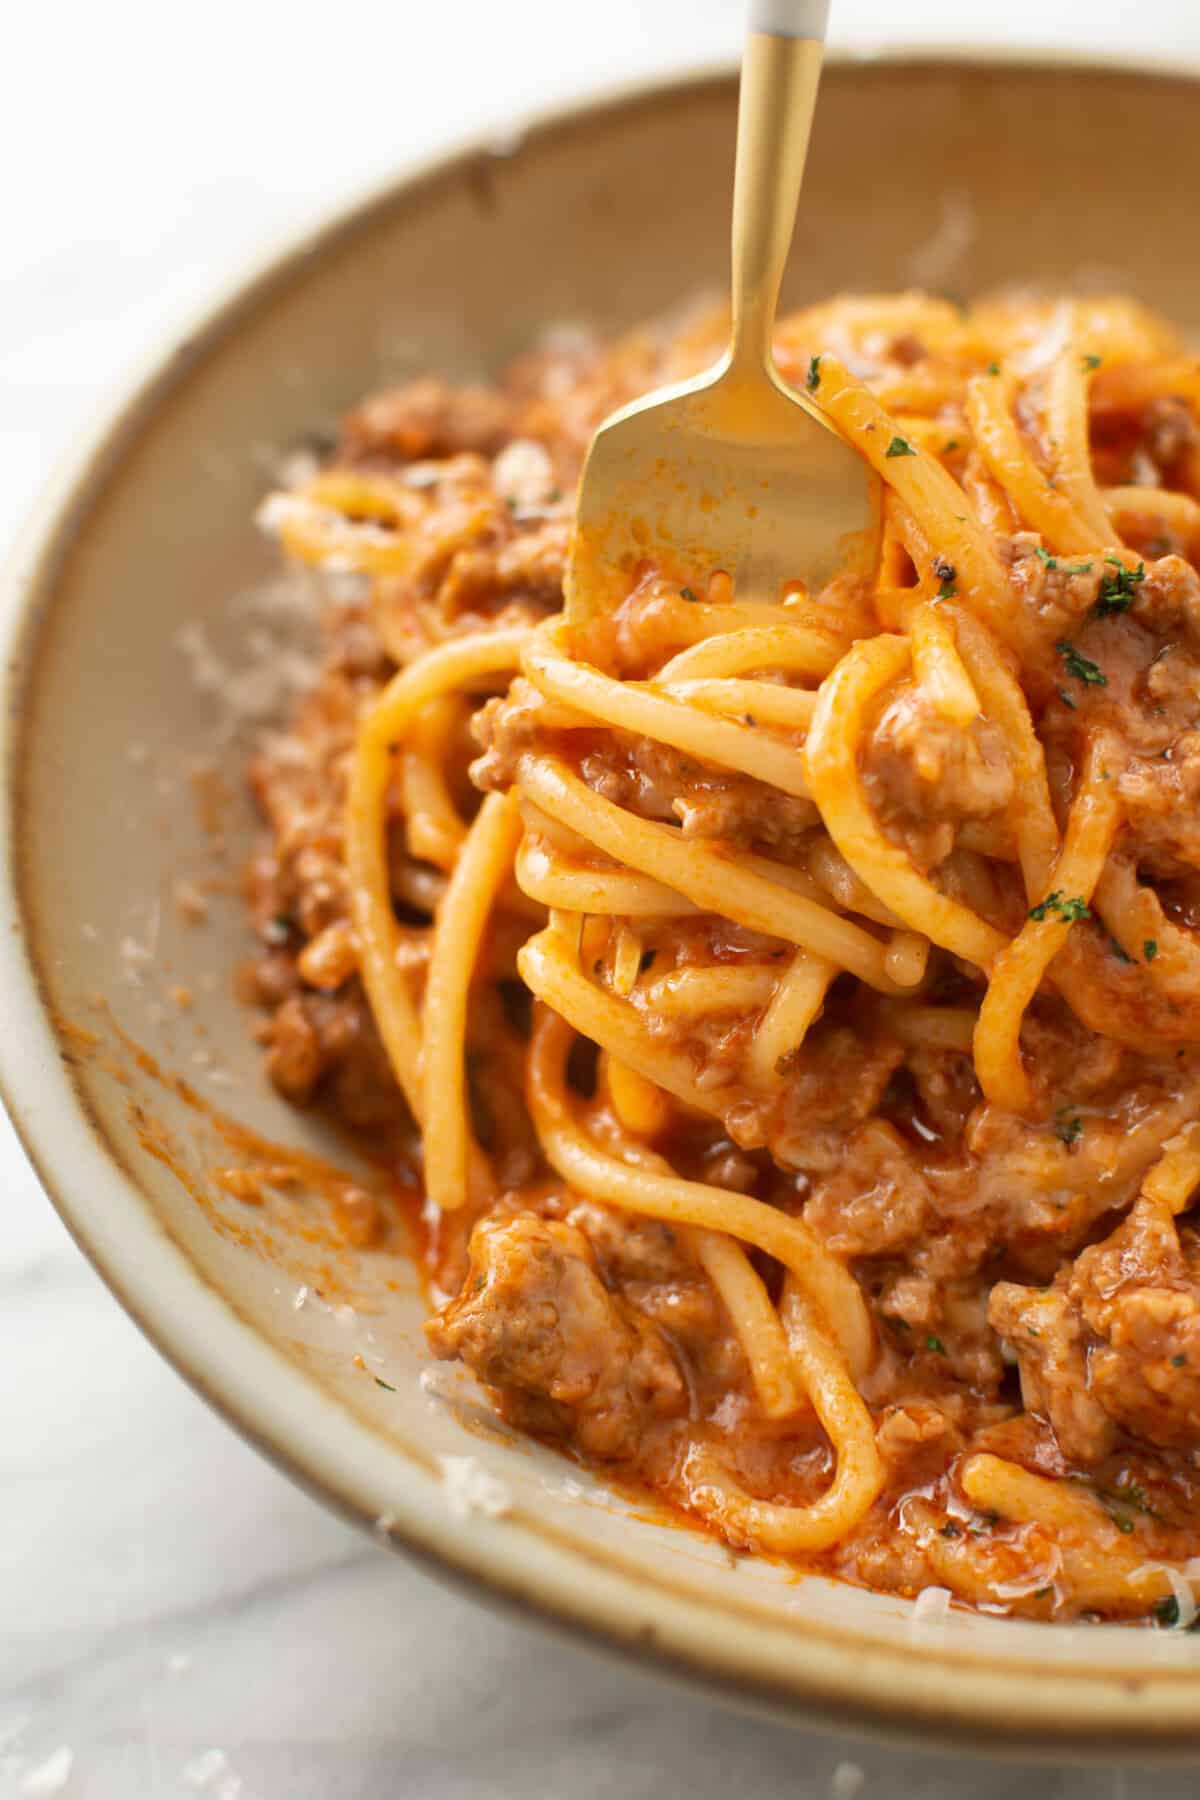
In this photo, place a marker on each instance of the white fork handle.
(790, 18)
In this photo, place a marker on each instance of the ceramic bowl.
(140, 598)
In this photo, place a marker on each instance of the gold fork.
(734, 470)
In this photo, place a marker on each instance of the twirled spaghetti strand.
(686, 790)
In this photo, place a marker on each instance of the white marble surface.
(172, 1612)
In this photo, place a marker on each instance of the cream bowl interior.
(138, 601)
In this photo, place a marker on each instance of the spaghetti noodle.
(800, 1002)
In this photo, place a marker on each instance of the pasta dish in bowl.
(797, 1003)
(722, 1176)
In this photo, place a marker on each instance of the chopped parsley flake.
(1179, 1361)
(687, 594)
(1067, 1125)
(1128, 1494)
(952, 445)
(384, 1384)
(947, 574)
(935, 1344)
(1052, 562)
(1119, 590)
(1166, 1611)
(1080, 667)
(1092, 362)
(1150, 949)
(814, 374)
(900, 447)
(1064, 908)
(993, 368)
(279, 929)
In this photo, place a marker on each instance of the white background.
(162, 1592)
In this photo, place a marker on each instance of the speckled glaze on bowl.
(956, 173)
